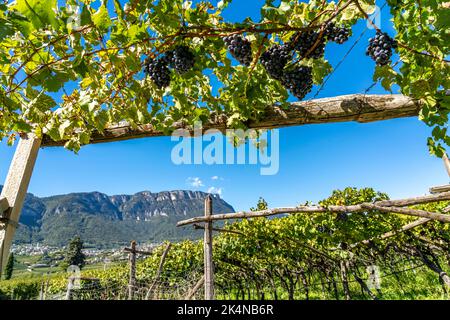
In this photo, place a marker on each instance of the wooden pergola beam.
(388, 206)
(355, 107)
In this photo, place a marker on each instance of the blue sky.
(390, 156)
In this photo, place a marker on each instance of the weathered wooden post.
(151, 290)
(14, 192)
(132, 281)
(446, 163)
(208, 253)
(41, 291)
(70, 285)
(344, 278)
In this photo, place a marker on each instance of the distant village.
(52, 256)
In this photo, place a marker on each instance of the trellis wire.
(345, 56)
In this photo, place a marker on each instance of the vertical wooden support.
(14, 191)
(446, 163)
(194, 290)
(152, 288)
(208, 254)
(70, 285)
(41, 291)
(344, 278)
(132, 281)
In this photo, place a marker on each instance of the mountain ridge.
(103, 221)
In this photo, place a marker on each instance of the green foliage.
(74, 254)
(9, 267)
(19, 289)
(261, 205)
(266, 258)
(45, 45)
(425, 29)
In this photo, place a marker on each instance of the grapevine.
(103, 54)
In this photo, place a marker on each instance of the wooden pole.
(446, 163)
(4, 205)
(132, 281)
(158, 272)
(207, 249)
(388, 206)
(355, 107)
(15, 190)
(47, 283)
(41, 291)
(194, 290)
(70, 285)
(344, 278)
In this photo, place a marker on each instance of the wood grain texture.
(386, 206)
(356, 107)
(208, 252)
(440, 189)
(4, 205)
(15, 190)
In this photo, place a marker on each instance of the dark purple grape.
(158, 70)
(240, 48)
(298, 81)
(275, 59)
(380, 48)
(336, 34)
(303, 42)
(182, 59)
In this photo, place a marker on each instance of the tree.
(9, 267)
(145, 61)
(74, 254)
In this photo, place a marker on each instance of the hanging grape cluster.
(158, 70)
(240, 48)
(380, 48)
(310, 44)
(182, 59)
(275, 59)
(298, 81)
(338, 34)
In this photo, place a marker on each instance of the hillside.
(105, 221)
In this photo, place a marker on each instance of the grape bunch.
(275, 59)
(336, 34)
(182, 59)
(298, 81)
(159, 72)
(240, 48)
(380, 48)
(304, 41)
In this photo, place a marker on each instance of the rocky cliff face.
(104, 220)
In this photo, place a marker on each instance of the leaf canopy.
(71, 68)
